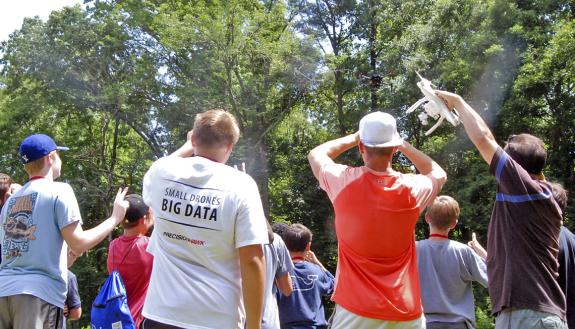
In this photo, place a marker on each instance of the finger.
(243, 166)
(473, 236)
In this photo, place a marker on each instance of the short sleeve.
(285, 264)
(66, 207)
(477, 270)
(147, 186)
(73, 297)
(334, 177)
(424, 189)
(250, 226)
(514, 183)
(327, 283)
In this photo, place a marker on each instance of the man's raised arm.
(328, 151)
(474, 125)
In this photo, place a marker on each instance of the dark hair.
(528, 151)
(296, 237)
(280, 228)
(559, 194)
(136, 210)
(379, 151)
(5, 182)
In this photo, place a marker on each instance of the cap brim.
(392, 143)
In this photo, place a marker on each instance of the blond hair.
(215, 128)
(443, 212)
(35, 166)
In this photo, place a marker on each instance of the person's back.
(376, 209)
(209, 221)
(303, 309)
(447, 269)
(128, 255)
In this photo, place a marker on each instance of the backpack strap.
(114, 267)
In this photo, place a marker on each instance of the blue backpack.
(110, 308)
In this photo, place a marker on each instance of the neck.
(47, 174)
(435, 234)
(133, 231)
(379, 164)
(297, 256)
(216, 155)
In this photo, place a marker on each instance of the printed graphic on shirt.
(304, 284)
(18, 226)
(196, 206)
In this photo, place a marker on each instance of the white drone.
(433, 106)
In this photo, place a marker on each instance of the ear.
(308, 246)
(230, 148)
(361, 147)
(426, 217)
(454, 224)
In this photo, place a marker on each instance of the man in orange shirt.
(376, 209)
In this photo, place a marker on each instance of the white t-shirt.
(204, 211)
(33, 250)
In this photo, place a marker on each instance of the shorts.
(344, 319)
(29, 312)
(528, 319)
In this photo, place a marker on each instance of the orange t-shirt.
(375, 216)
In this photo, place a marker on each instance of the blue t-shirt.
(34, 258)
(72, 297)
(304, 307)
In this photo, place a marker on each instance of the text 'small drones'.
(433, 107)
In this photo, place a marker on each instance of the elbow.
(287, 292)
(75, 314)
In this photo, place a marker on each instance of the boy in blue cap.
(36, 223)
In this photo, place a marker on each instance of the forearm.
(81, 241)
(477, 130)
(474, 125)
(424, 164)
(330, 150)
(185, 151)
(253, 280)
(284, 284)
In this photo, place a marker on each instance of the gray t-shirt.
(278, 263)
(33, 250)
(446, 270)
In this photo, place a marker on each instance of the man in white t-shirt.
(207, 242)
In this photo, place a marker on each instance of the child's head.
(559, 194)
(138, 213)
(297, 238)
(443, 213)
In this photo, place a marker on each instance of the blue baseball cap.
(37, 146)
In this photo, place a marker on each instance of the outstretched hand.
(120, 205)
(476, 246)
(450, 99)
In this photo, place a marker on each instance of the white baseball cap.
(378, 129)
